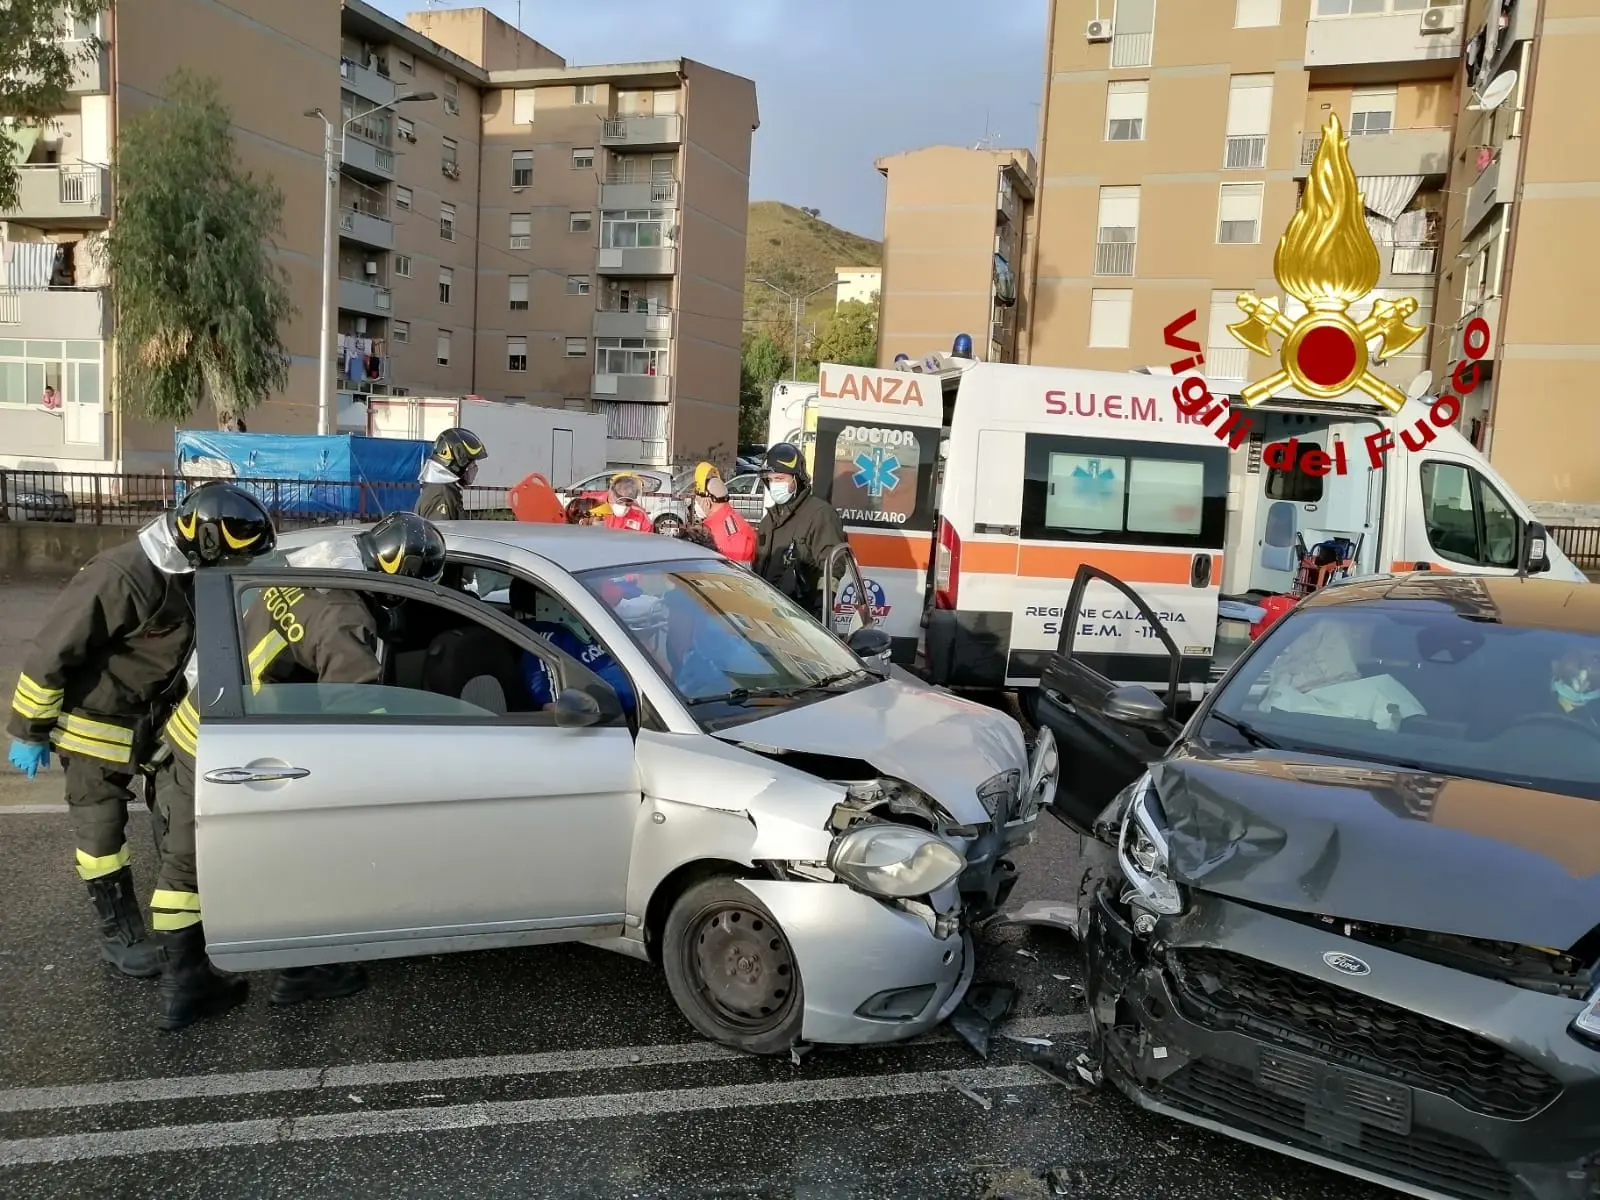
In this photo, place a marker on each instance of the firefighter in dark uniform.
(291, 635)
(100, 680)
(797, 533)
(452, 465)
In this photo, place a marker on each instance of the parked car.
(748, 497)
(751, 458)
(1350, 911)
(800, 843)
(662, 496)
(30, 503)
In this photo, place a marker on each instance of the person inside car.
(1575, 686)
(624, 511)
(537, 676)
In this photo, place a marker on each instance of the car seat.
(1278, 548)
(477, 666)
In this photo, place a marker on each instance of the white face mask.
(702, 507)
(780, 491)
(620, 510)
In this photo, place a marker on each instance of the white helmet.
(646, 617)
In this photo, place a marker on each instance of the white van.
(1050, 468)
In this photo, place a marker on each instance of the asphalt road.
(551, 1072)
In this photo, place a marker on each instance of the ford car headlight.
(895, 861)
(1142, 852)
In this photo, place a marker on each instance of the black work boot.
(123, 941)
(330, 982)
(191, 988)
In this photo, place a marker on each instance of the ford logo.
(1346, 964)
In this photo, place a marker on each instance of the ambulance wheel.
(669, 525)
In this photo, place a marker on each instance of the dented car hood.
(1384, 845)
(933, 740)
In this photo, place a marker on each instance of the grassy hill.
(797, 252)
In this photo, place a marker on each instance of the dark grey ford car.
(1350, 910)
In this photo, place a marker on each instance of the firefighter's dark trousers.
(98, 795)
(175, 903)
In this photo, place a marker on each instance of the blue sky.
(840, 82)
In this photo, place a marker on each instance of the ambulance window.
(1296, 486)
(877, 474)
(1105, 490)
(1467, 520)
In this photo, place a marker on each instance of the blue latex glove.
(29, 758)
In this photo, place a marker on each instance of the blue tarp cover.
(339, 475)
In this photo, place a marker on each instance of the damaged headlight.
(1044, 771)
(1587, 1023)
(1142, 852)
(895, 861)
(998, 794)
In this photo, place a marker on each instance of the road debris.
(982, 1101)
(984, 1007)
(1033, 954)
(1046, 1043)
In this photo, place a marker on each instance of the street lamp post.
(799, 304)
(330, 199)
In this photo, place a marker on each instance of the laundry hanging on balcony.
(1388, 195)
(30, 265)
(360, 358)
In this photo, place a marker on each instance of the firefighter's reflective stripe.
(174, 910)
(183, 728)
(92, 866)
(35, 703)
(97, 739)
(262, 655)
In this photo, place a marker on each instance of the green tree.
(37, 55)
(762, 366)
(200, 300)
(849, 335)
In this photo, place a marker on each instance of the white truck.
(521, 438)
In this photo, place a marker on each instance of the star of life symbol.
(1327, 260)
(878, 470)
(1092, 480)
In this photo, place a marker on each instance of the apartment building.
(956, 224)
(506, 225)
(1176, 137)
(861, 284)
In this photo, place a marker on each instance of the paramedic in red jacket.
(625, 512)
(730, 531)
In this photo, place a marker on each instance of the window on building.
(1117, 236)
(1133, 33)
(452, 97)
(1239, 213)
(517, 287)
(1225, 357)
(406, 128)
(522, 106)
(516, 354)
(1257, 14)
(447, 279)
(402, 265)
(577, 347)
(1110, 317)
(1366, 8)
(447, 159)
(1126, 100)
(635, 228)
(522, 168)
(521, 230)
(1249, 119)
(400, 330)
(402, 197)
(577, 285)
(1372, 110)
(65, 375)
(447, 222)
(580, 222)
(583, 158)
(631, 356)
(406, 63)
(442, 348)
(585, 93)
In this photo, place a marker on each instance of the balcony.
(1423, 151)
(368, 84)
(55, 314)
(646, 389)
(642, 133)
(73, 194)
(618, 193)
(641, 262)
(1493, 187)
(1227, 362)
(1388, 39)
(359, 296)
(1524, 20)
(368, 159)
(632, 324)
(91, 68)
(368, 230)
(1244, 153)
(1114, 258)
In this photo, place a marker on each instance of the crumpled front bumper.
(855, 952)
(1259, 1087)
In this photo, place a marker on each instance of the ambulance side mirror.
(1535, 550)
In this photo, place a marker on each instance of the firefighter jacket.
(295, 634)
(793, 542)
(101, 671)
(441, 502)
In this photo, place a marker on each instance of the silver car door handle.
(255, 774)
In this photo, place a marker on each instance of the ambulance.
(1045, 469)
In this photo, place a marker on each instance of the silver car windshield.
(1424, 687)
(732, 646)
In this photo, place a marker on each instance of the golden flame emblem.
(1327, 260)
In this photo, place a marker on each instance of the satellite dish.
(1418, 388)
(1493, 96)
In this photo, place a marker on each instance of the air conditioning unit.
(1439, 20)
(1098, 31)
(407, 136)
(361, 324)
(372, 268)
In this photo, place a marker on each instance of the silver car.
(590, 736)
